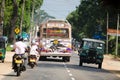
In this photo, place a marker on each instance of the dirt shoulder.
(6, 67)
(112, 64)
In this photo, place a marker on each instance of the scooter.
(32, 60)
(19, 66)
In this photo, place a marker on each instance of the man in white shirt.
(19, 48)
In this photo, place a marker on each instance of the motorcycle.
(18, 64)
(32, 61)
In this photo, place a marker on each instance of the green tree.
(91, 13)
(86, 17)
(12, 15)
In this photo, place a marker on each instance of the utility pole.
(107, 33)
(21, 22)
(117, 36)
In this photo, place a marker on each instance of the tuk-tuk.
(91, 51)
(3, 43)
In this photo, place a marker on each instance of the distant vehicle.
(3, 45)
(92, 51)
(25, 35)
(55, 38)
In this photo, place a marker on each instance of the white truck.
(55, 39)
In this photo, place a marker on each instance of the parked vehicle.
(2, 48)
(92, 51)
(32, 61)
(19, 64)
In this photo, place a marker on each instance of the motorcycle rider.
(20, 48)
(34, 50)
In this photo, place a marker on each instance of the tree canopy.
(13, 13)
(89, 18)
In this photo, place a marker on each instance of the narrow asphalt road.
(45, 70)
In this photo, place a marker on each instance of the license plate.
(32, 60)
(18, 61)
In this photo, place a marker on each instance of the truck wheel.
(63, 58)
(68, 59)
(43, 58)
(99, 65)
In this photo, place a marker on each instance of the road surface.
(56, 69)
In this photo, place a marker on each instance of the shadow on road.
(50, 65)
(87, 68)
(11, 75)
(52, 59)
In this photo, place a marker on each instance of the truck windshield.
(55, 32)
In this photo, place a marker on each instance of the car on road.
(91, 51)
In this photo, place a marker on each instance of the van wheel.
(99, 65)
(80, 63)
(43, 58)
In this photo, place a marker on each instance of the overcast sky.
(59, 8)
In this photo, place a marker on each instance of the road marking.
(68, 71)
(70, 74)
(72, 78)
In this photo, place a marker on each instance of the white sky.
(59, 8)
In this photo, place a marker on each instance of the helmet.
(20, 38)
(25, 39)
(33, 42)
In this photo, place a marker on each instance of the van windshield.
(90, 44)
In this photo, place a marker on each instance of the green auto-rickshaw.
(92, 51)
(3, 42)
